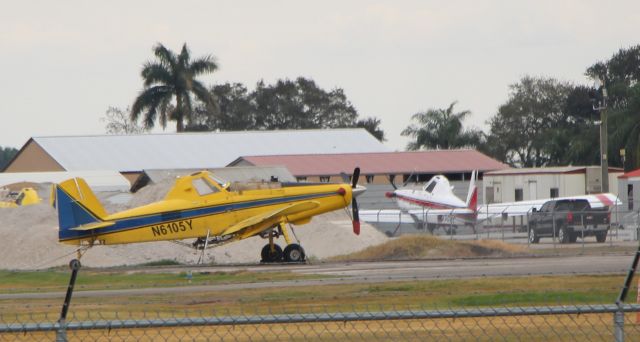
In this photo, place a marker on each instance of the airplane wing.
(266, 220)
(522, 208)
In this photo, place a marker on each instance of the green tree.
(576, 137)
(172, 76)
(6, 154)
(525, 126)
(235, 110)
(286, 104)
(621, 75)
(301, 104)
(372, 125)
(441, 128)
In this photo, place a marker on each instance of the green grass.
(533, 298)
(433, 294)
(55, 280)
(163, 262)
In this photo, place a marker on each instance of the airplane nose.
(358, 190)
(390, 194)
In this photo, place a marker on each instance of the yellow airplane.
(26, 196)
(203, 207)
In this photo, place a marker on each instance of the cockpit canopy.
(437, 184)
(205, 183)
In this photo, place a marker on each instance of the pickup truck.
(567, 220)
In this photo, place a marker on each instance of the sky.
(63, 63)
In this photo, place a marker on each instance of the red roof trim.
(631, 174)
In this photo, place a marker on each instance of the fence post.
(618, 316)
(61, 332)
(618, 323)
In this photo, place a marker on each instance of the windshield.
(223, 183)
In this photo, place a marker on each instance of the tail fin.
(472, 196)
(77, 206)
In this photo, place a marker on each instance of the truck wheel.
(533, 236)
(563, 235)
(601, 237)
(573, 237)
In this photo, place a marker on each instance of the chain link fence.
(507, 223)
(549, 323)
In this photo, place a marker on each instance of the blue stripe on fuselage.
(152, 219)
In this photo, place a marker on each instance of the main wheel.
(271, 256)
(563, 235)
(533, 236)
(573, 237)
(601, 237)
(294, 253)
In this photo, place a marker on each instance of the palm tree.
(170, 76)
(440, 128)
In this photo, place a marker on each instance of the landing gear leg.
(293, 252)
(271, 252)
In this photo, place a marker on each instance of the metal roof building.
(524, 184)
(419, 165)
(130, 154)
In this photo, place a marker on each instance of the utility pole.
(599, 98)
(603, 151)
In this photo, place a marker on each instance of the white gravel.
(29, 239)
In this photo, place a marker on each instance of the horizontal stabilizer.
(254, 220)
(94, 225)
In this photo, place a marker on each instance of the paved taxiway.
(374, 272)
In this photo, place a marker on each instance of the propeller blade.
(356, 216)
(354, 178)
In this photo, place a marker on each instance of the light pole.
(600, 104)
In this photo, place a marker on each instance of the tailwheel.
(294, 253)
(271, 255)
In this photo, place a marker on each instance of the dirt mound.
(29, 238)
(431, 247)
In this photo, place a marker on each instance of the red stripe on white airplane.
(425, 203)
(604, 199)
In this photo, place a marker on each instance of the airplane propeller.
(354, 203)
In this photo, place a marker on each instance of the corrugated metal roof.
(437, 161)
(198, 150)
(231, 174)
(99, 181)
(547, 170)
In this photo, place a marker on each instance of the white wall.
(534, 186)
